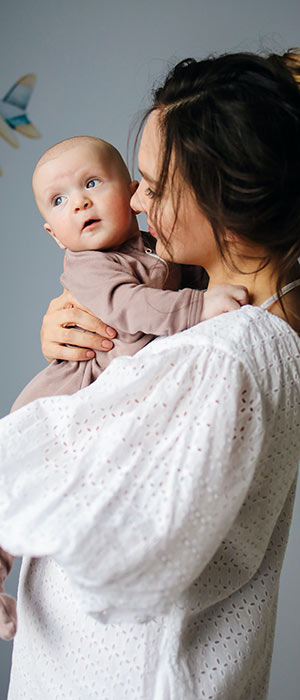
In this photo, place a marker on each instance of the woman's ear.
(49, 230)
(230, 236)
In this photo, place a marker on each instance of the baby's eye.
(149, 193)
(58, 200)
(92, 183)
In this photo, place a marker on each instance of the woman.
(159, 498)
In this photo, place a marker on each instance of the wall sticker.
(13, 115)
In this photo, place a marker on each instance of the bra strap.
(284, 290)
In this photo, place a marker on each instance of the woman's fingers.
(55, 351)
(64, 301)
(60, 331)
(73, 344)
(74, 336)
(57, 338)
(77, 317)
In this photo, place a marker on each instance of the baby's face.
(84, 199)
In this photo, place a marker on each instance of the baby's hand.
(221, 298)
(8, 616)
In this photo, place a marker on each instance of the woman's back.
(206, 498)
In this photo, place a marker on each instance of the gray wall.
(95, 64)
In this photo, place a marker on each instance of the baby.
(82, 188)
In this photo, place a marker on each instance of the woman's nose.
(135, 201)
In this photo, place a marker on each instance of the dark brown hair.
(232, 126)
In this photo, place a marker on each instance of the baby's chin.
(103, 243)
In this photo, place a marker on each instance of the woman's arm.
(58, 334)
(132, 485)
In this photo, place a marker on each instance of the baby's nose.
(82, 202)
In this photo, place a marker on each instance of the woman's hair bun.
(289, 60)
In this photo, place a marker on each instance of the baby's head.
(82, 188)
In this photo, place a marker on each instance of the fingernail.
(107, 344)
(89, 353)
(110, 331)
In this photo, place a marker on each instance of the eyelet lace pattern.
(159, 499)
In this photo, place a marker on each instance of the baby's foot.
(8, 616)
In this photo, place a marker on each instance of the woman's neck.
(261, 286)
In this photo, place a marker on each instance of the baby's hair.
(67, 144)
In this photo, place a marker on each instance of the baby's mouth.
(89, 222)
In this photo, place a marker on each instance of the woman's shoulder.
(256, 339)
(250, 324)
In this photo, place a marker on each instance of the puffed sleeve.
(132, 483)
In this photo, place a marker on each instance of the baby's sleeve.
(111, 290)
(132, 484)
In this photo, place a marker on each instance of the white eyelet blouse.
(153, 510)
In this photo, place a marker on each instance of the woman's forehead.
(150, 147)
(152, 152)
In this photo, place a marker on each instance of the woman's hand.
(57, 333)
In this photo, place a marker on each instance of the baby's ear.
(49, 229)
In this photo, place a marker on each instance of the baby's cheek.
(123, 211)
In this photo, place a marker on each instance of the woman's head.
(229, 129)
(173, 215)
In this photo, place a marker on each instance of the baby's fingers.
(237, 293)
(232, 304)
